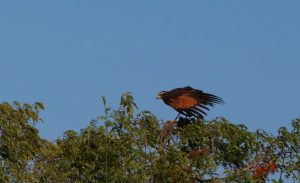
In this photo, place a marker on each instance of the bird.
(189, 102)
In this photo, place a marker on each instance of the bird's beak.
(158, 97)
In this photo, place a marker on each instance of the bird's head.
(160, 95)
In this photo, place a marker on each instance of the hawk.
(188, 101)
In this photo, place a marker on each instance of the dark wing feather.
(198, 112)
(202, 106)
(199, 109)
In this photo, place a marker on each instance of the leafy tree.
(19, 140)
(138, 147)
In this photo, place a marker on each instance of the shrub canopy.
(125, 146)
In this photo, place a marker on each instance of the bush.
(131, 147)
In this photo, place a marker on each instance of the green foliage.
(19, 140)
(124, 145)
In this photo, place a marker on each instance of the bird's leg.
(186, 116)
(177, 116)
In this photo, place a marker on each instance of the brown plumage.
(189, 101)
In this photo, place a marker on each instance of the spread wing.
(191, 102)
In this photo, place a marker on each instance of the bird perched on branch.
(188, 101)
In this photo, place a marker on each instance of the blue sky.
(67, 54)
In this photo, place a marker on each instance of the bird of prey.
(188, 101)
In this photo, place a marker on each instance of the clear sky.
(67, 54)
